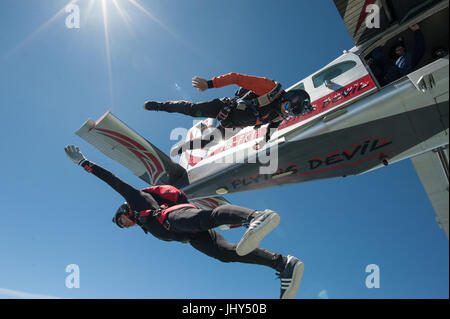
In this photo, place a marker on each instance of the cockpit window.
(332, 72)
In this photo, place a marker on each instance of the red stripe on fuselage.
(322, 170)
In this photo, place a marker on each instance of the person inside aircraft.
(403, 61)
(164, 211)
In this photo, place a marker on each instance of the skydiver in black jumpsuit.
(196, 226)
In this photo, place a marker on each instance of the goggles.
(294, 106)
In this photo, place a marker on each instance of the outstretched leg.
(213, 138)
(202, 109)
(197, 220)
(289, 269)
(214, 245)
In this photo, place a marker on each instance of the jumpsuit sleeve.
(127, 191)
(259, 85)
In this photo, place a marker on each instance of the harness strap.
(166, 211)
(225, 112)
(161, 214)
(262, 100)
(260, 121)
(254, 104)
(271, 96)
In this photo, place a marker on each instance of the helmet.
(298, 102)
(124, 209)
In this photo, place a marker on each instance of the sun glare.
(89, 6)
(127, 20)
(41, 28)
(108, 52)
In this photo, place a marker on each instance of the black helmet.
(124, 209)
(298, 102)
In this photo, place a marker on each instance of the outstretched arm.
(419, 45)
(124, 189)
(259, 85)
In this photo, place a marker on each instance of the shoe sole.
(251, 240)
(296, 279)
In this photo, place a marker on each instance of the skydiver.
(259, 101)
(165, 212)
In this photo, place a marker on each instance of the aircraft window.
(332, 72)
(300, 86)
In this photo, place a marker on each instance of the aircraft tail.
(117, 141)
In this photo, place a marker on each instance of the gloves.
(74, 154)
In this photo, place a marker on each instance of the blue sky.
(53, 214)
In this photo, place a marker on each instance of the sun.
(105, 6)
(125, 17)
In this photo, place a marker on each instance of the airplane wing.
(117, 141)
(432, 169)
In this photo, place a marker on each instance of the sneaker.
(152, 106)
(259, 227)
(290, 277)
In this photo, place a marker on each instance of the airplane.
(358, 124)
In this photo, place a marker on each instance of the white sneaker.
(259, 227)
(290, 277)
